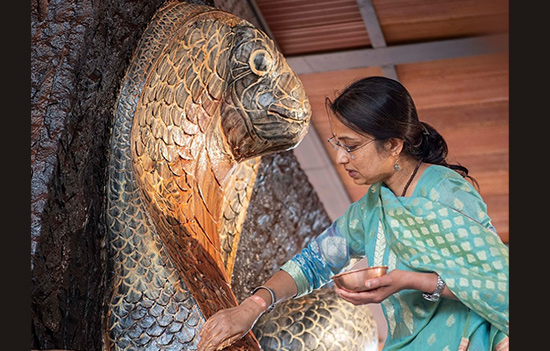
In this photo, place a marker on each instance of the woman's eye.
(345, 147)
(260, 62)
(350, 148)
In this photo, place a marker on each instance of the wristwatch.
(433, 297)
(273, 298)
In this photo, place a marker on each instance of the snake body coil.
(320, 321)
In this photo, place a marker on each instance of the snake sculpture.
(204, 97)
(320, 321)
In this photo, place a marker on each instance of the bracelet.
(433, 297)
(260, 301)
(273, 298)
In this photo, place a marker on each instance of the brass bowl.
(354, 280)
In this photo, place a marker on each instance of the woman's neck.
(403, 181)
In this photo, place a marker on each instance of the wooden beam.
(368, 13)
(399, 54)
(376, 36)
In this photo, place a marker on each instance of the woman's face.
(369, 164)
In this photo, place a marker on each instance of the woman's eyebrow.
(348, 138)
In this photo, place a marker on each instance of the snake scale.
(204, 97)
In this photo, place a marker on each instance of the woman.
(447, 282)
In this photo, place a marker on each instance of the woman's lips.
(352, 173)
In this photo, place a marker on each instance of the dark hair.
(382, 107)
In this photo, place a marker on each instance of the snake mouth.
(290, 116)
(293, 114)
(282, 123)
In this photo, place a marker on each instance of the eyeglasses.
(336, 145)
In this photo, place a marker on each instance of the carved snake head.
(265, 108)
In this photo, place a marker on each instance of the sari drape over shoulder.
(444, 228)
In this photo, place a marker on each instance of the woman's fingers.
(227, 342)
(217, 333)
(207, 334)
(359, 298)
(227, 326)
(218, 341)
(372, 283)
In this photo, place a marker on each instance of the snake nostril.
(265, 99)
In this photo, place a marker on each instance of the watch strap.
(433, 297)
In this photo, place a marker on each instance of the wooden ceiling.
(451, 55)
(312, 26)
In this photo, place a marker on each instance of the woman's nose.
(342, 157)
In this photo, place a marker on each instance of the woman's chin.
(359, 181)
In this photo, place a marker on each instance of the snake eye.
(260, 62)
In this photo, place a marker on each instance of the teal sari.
(444, 228)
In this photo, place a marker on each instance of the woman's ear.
(394, 146)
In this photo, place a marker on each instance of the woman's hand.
(228, 325)
(378, 288)
(396, 280)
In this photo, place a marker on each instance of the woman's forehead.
(343, 132)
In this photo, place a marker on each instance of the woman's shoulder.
(441, 172)
(442, 184)
(436, 176)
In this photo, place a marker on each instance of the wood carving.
(205, 95)
(320, 321)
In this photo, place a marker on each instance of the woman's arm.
(380, 288)
(426, 282)
(308, 270)
(229, 325)
(282, 284)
